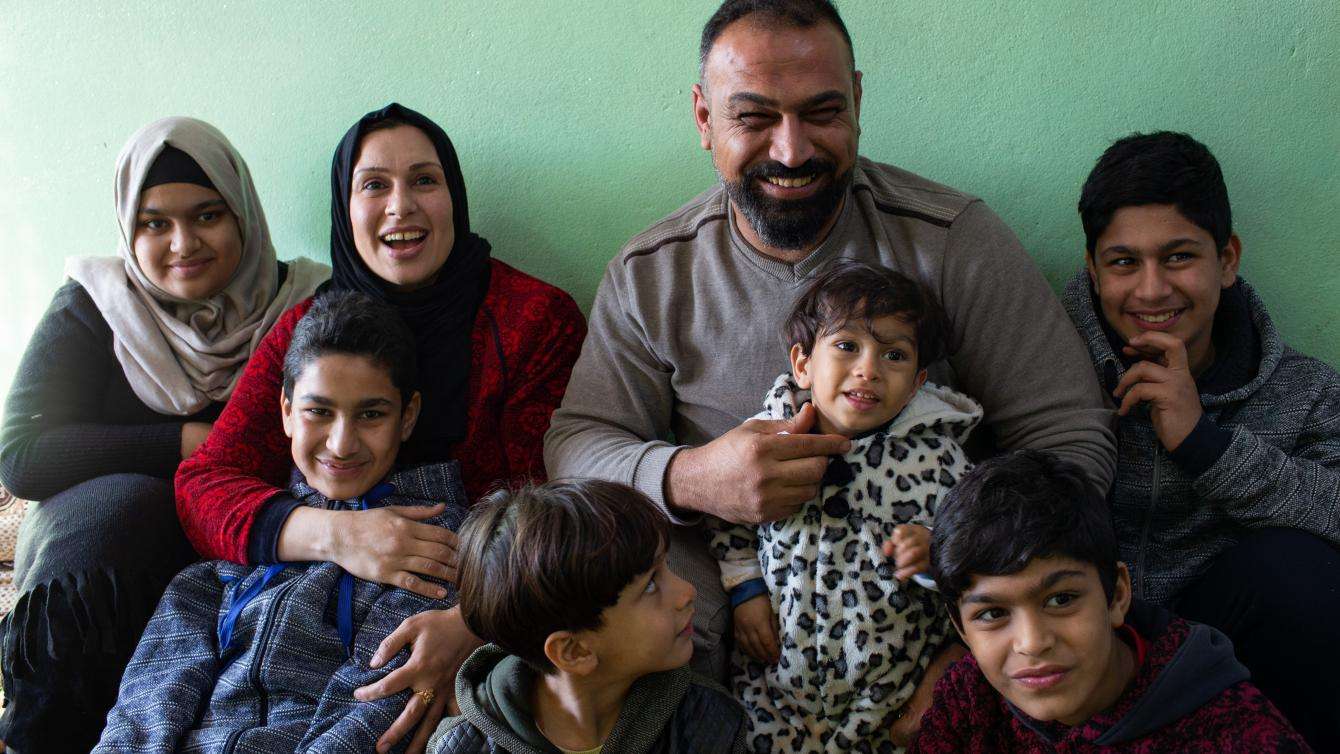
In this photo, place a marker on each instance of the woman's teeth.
(790, 182)
(410, 235)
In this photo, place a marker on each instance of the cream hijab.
(181, 355)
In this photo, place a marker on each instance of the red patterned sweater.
(969, 716)
(245, 462)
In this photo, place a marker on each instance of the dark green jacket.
(674, 712)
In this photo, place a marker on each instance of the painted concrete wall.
(573, 122)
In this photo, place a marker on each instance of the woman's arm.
(551, 331)
(54, 435)
(223, 486)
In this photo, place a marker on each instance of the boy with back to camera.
(591, 631)
(1227, 495)
(1061, 657)
(835, 639)
(266, 658)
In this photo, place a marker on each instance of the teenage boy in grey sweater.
(1227, 497)
(685, 324)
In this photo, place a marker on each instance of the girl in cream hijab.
(121, 381)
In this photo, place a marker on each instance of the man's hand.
(753, 474)
(756, 630)
(1163, 381)
(905, 728)
(910, 548)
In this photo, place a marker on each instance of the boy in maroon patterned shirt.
(1062, 660)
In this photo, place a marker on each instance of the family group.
(287, 507)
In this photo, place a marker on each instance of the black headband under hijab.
(441, 315)
(175, 166)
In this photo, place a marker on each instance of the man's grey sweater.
(1266, 452)
(686, 329)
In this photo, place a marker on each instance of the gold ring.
(427, 695)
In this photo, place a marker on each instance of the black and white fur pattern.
(854, 641)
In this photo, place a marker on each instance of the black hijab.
(441, 315)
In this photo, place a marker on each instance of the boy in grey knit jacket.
(1227, 496)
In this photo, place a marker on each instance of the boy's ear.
(409, 415)
(800, 367)
(286, 412)
(1229, 258)
(921, 379)
(957, 619)
(568, 653)
(1121, 596)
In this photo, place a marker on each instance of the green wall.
(573, 122)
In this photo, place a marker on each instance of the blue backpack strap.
(240, 601)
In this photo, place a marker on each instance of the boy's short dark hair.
(355, 324)
(1158, 168)
(848, 290)
(552, 557)
(1012, 509)
(774, 14)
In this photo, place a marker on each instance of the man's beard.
(789, 224)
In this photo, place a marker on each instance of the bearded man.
(685, 331)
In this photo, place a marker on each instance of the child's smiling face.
(346, 423)
(859, 377)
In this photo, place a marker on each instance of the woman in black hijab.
(496, 347)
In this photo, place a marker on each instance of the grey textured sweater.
(687, 323)
(1277, 465)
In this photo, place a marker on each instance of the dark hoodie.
(1190, 694)
(673, 712)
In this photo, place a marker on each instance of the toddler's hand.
(756, 630)
(910, 548)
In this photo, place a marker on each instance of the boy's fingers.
(889, 548)
(1135, 396)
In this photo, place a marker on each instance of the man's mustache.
(772, 169)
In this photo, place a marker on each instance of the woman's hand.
(193, 435)
(439, 643)
(390, 546)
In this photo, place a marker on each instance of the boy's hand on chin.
(1164, 381)
(905, 728)
(439, 643)
(756, 630)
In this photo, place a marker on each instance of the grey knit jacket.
(285, 682)
(1276, 460)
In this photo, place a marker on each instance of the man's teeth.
(790, 182)
(411, 235)
(1156, 318)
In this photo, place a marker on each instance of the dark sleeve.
(263, 545)
(1200, 449)
(53, 435)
